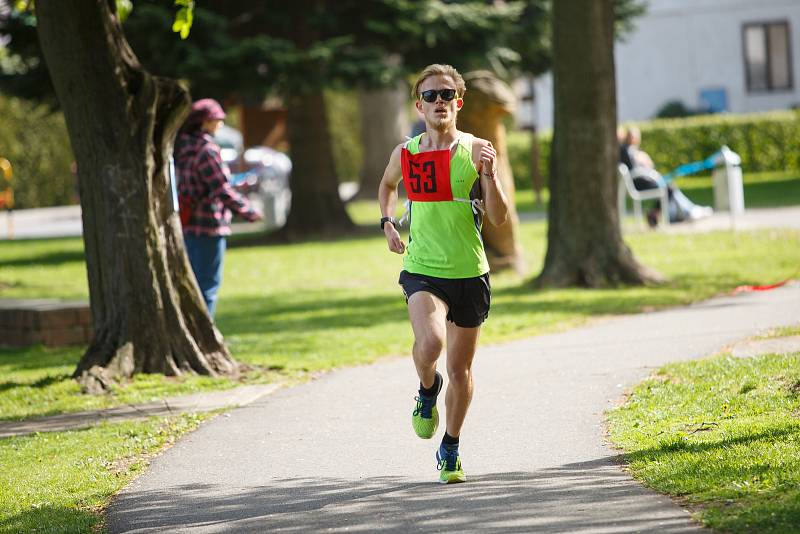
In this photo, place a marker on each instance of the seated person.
(646, 177)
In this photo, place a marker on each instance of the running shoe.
(425, 417)
(448, 462)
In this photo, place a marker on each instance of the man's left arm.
(494, 199)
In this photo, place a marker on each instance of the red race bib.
(426, 176)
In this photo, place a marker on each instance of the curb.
(198, 402)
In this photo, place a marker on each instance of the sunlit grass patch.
(724, 435)
(62, 481)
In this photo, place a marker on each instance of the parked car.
(260, 173)
(231, 144)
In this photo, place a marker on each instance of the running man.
(450, 178)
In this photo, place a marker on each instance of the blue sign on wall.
(714, 100)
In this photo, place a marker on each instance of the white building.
(720, 55)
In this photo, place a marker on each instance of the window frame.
(765, 26)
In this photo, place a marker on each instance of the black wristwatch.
(392, 220)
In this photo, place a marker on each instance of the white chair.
(626, 187)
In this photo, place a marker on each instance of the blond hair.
(439, 70)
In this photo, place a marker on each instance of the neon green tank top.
(445, 237)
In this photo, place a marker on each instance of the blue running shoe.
(425, 417)
(448, 462)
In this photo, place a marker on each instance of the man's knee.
(459, 376)
(430, 346)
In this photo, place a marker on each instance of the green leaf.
(23, 5)
(183, 18)
(124, 8)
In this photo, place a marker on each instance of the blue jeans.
(206, 253)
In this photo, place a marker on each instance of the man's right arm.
(387, 199)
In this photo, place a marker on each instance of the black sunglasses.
(430, 95)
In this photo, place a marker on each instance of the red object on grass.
(748, 289)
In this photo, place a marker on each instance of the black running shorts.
(467, 299)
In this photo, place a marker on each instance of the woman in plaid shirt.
(207, 199)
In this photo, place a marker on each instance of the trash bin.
(727, 180)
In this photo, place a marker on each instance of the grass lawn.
(36, 382)
(314, 306)
(766, 189)
(723, 435)
(60, 482)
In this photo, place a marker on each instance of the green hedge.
(519, 155)
(765, 141)
(35, 141)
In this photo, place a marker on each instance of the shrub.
(765, 142)
(34, 139)
(519, 155)
(674, 109)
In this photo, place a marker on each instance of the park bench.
(726, 178)
(626, 188)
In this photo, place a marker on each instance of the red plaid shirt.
(203, 177)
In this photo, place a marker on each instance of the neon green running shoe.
(425, 417)
(448, 462)
(425, 427)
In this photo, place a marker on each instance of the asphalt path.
(338, 454)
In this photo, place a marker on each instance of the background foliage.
(34, 139)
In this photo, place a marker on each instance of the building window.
(767, 56)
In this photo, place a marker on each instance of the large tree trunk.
(316, 205)
(147, 312)
(384, 124)
(585, 244)
(487, 103)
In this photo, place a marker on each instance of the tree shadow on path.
(583, 497)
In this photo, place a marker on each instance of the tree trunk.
(585, 244)
(384, 124)
(316, 205)
(147, 311)
(488, 101)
